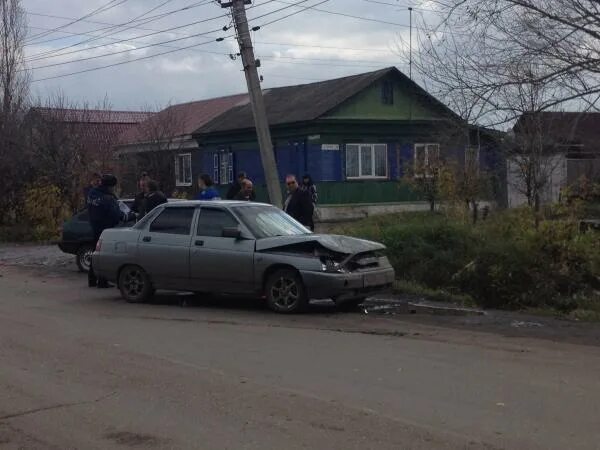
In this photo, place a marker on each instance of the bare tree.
(494, 61)
(14, 84)
(151, 145)
(58, 151)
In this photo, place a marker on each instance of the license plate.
(376, 279)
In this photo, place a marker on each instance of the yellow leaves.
(44, 210)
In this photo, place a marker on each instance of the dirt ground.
(80, 368)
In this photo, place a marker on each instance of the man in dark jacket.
(154, 197)
(236, 187)
(139, 200)
(298, 203)
(104, 211)
(247, 192)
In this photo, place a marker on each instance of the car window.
(212, 221)
(173, 221)
(268, 221)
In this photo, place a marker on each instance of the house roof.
(185, 118)
(307, 102)
(92, 115)
(564, 128)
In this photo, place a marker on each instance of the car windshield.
(268, 221)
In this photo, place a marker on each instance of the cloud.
(309, 46)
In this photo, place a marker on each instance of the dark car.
(78, 239)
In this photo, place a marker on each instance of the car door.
(164, 247)
(217, 263)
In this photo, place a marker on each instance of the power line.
(124, 51)
(278, 44)
(290, 44)
(154, 33)
(95, 38)
(417, 8)
(151, 45)
(47, 54)
(368, 19)
(350, 15)
(97, 22)
(122, 62)
(111, 4)
(276, 58)
(145, 46)
(304, 8)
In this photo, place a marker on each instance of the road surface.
(79, 368)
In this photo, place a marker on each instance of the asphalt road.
(79, 368)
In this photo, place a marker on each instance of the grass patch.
(503, 262)
(413, 289)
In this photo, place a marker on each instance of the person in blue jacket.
(104, 211)
(207, 189)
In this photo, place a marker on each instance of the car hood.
(333, 242)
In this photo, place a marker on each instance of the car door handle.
(199, 243)
(146, 238)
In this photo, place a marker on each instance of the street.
(80, 368)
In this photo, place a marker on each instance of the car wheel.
(285, 292)
(135, 285)
(349, 305)
(84, 258)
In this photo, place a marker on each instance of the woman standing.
(207, 189)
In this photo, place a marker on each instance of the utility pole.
(256, 99)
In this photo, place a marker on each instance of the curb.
(443, 310)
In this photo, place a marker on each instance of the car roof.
(224, 203)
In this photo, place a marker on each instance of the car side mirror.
(232, 232)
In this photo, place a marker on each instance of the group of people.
(148, 197)
(300, 202)
(241, 189)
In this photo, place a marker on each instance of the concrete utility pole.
(256, 100)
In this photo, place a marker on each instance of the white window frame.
(372, 176)
(178, 158)
(476, 151)
(425, 147)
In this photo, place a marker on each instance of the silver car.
(242, 248)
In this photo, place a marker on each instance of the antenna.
(410, 44)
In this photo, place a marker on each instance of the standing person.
(207, 189)
(154, 197)
(104, 211)
(298, 203)
(236, 187)
(247, 192)
(95, 180)
(139, 200)
(311, 189)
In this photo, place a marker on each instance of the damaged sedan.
(240, 248)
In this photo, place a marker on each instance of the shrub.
(503, 263)
(44, 211)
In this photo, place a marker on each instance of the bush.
(44, 211)
(502, 263)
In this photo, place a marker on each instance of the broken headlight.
(331, 266)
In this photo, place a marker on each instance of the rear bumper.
(346, 286)
(70, 246)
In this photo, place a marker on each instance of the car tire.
(135, 285)
(349, 305)
(285, 292)
(83, 258)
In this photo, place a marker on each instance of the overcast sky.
(308, 46)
